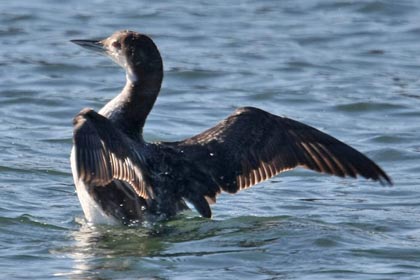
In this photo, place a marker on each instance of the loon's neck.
(129, 110)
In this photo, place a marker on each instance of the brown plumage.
(128, 179)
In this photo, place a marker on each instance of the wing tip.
(378, 174)
(200, 204)
(385, 180)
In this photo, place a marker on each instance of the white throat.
(131, 76)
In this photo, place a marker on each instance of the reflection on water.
(194, 246)
(100, 249)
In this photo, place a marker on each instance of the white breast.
(93, 212)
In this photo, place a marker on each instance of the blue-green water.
(350, 68)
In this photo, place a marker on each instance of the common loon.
(121, 178)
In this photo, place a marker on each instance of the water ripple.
(349, 68)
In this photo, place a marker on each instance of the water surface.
(350, 68)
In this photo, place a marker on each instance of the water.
(350, 68)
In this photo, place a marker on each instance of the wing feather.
(103, 154)
(251, 146)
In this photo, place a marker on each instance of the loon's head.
(135, 52)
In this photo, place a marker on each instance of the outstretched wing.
(252, 145)
(103, 154)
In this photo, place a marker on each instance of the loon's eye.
(116, 45)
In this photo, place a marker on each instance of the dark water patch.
(8, 18)
(376, 52)
(357, 107)
(409, 254)
(386, 8)
(194, 73)
(415, 96)
(11, 31)
(391, 139)
(27, 220)
(66, 140)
